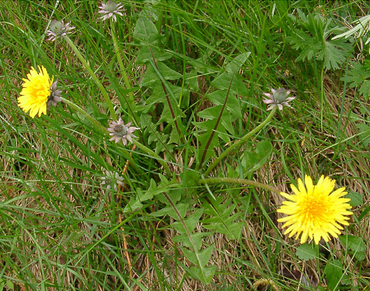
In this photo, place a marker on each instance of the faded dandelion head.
(110, 10)
(111, 180)
(58, 29)
(119, 131)
(278, 98)
(38, 88)
(54, 97)
(315, 211)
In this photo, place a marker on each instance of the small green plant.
(157, 166)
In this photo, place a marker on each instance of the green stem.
(239, 142)
(238, 181)
(119, 58)
(153, 155)
(131, 101)
(93, 75)
(322, 97)
(95, 123)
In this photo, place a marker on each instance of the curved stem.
(93, 75)
(239, 142)
(238, 181)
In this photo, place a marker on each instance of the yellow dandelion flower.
(314, 211)
(36, 91)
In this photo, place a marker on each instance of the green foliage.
(223, 218)
(307, 252)
(252, 161)
(191, 76)
(355, 246)
(334, 274)
(356, 198)
(218, 120)
(359, 76)
(311, 37)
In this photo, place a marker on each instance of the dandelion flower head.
(278, 98)
(37, 88)
(315, 211)
(58, 29)
(110, 10)
(112, 179)
(119, 131)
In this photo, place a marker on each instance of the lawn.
(184, 145)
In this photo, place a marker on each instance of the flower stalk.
(238, 181)
(131, 100)
(93, 75)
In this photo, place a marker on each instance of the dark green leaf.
(204, 274)
(306, 252)
(333, 272)
(353, 243)
(181, 209)
(190, 222)
(145, 31)
(356, 198)
(233, 103)
(147, 53)
(223, 81)
(151, 77)
(195, 237)
(235, 65)
(364, 133)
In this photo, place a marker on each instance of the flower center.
(279, 95)
(315, 209)
(39, 90)
(110, 6)
(56, 27)
(120, 130)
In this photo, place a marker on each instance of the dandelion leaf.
(190, 222)
(251, 161)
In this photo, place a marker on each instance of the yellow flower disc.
(314, 211)
(36, 91)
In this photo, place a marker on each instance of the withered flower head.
(58, 29)
(110, 10)
(278, 98)
(54, 97)
(119, 131)
(112, 179)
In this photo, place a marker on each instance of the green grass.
(197, 71)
